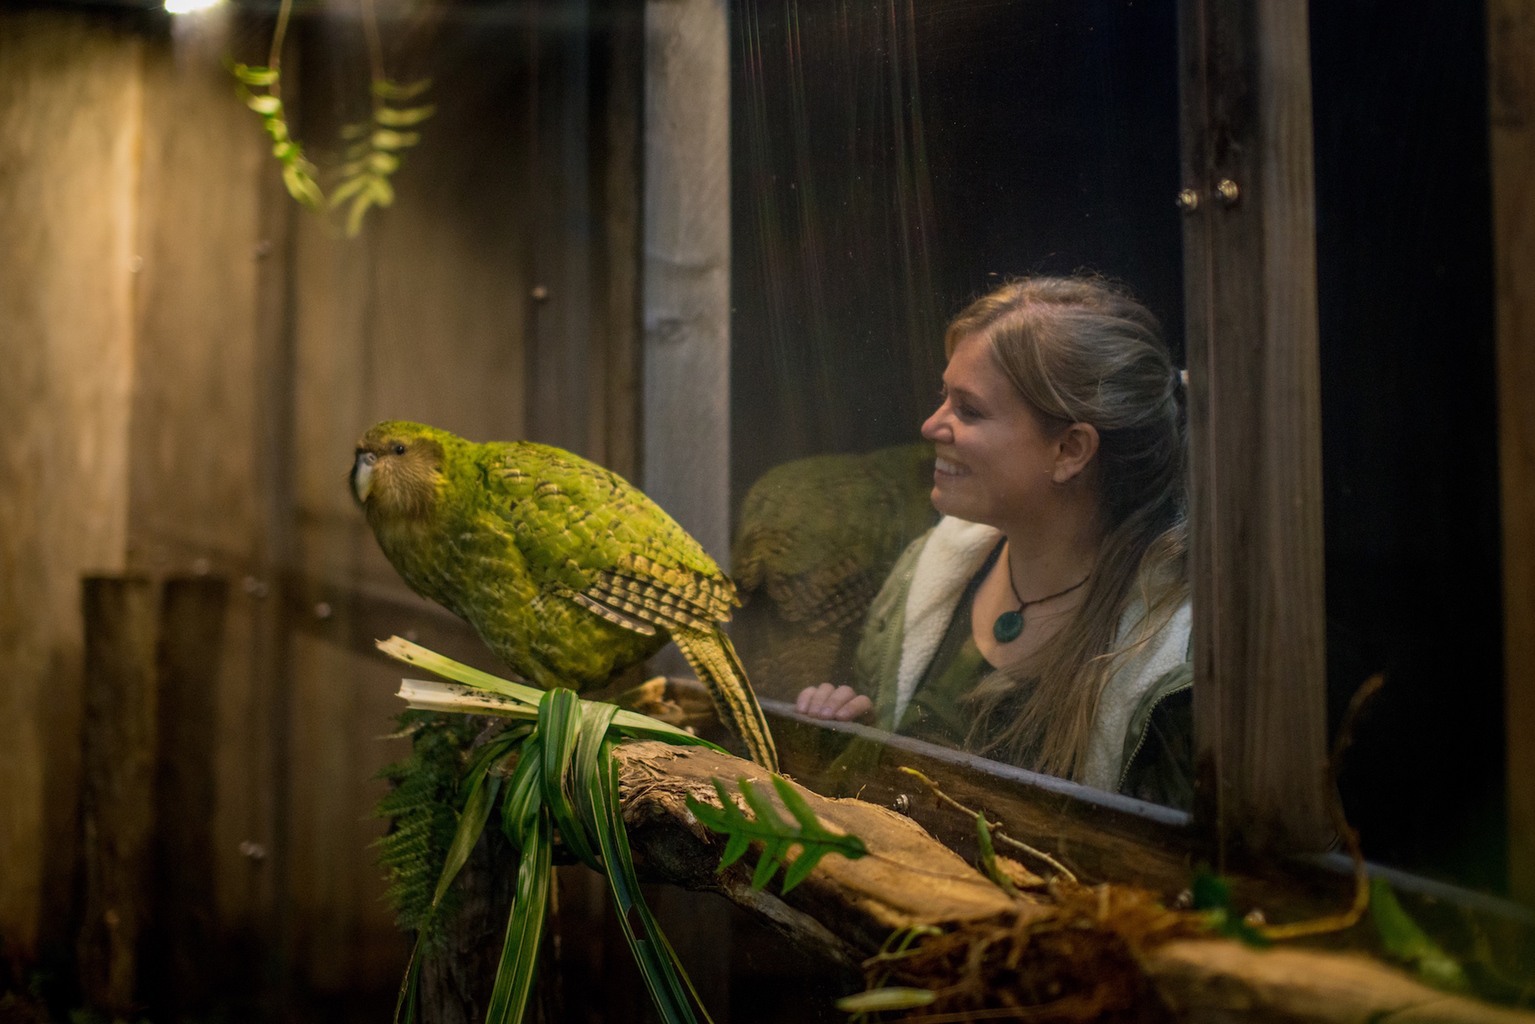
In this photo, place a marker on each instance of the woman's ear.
(1074, 450)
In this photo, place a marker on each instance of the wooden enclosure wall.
(190, 361)
(67, 184)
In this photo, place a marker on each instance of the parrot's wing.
(589, 536)
(818, 534)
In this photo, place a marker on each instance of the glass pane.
(1410, 432)
(893, 162)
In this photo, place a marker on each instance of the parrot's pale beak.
(362, 476)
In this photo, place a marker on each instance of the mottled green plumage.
(568, 572)
(818, 534)
(815, 539)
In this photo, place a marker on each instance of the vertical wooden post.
(179, 955)
(686, 270)
(686, 314)
(1511, 53)
(1255, 423)
(117, 788)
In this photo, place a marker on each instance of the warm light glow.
(189, 6)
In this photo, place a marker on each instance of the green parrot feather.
(819, 534)
(567, 571)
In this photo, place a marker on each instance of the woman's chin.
(945, 502)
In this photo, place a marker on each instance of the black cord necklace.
(1009, 625)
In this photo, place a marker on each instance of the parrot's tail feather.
(714, 658)
(664, 606)
(614, 615)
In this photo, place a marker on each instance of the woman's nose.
(936, 427)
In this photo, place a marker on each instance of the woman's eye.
(964, 410)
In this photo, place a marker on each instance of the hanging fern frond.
(375, 151)
(259, 89)
(376, 144)
(777, 834)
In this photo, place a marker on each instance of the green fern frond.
(777, 834)
(420, 810)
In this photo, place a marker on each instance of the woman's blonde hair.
(1082, 350)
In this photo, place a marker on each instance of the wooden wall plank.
(178, 973)
(614, 408)
(558, 381)
(262, 347)
(117, 806)
(1511, 47)
(1255, 425)
(69, 101)
(197, 491)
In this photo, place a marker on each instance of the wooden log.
(117, 788)
(848, 909)
(457, 973)
(1226, 981)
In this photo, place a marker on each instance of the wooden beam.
(1511, 53)
(1255, 425)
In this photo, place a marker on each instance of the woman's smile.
(942, 467)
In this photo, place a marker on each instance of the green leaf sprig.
(258, 88)
(777, 834)
(374, 153)
(1212, 896)
(1406, 941)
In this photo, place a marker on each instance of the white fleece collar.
(1127, 688)
(954, 551)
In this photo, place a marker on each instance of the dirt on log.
(1057, 952)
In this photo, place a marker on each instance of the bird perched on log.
(568, 572)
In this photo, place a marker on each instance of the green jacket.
(1142, 738)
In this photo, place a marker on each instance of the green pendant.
(1008, 627)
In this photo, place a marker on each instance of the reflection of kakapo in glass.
(1044, 621)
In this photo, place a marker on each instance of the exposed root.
(1076, 960)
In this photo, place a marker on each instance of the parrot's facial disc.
(362, 475)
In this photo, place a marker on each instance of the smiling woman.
(1044, 621)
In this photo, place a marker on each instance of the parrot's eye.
(399, 449)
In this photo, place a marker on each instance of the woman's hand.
(839, 703)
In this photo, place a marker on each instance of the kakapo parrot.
(818, 534)
(567, 571)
